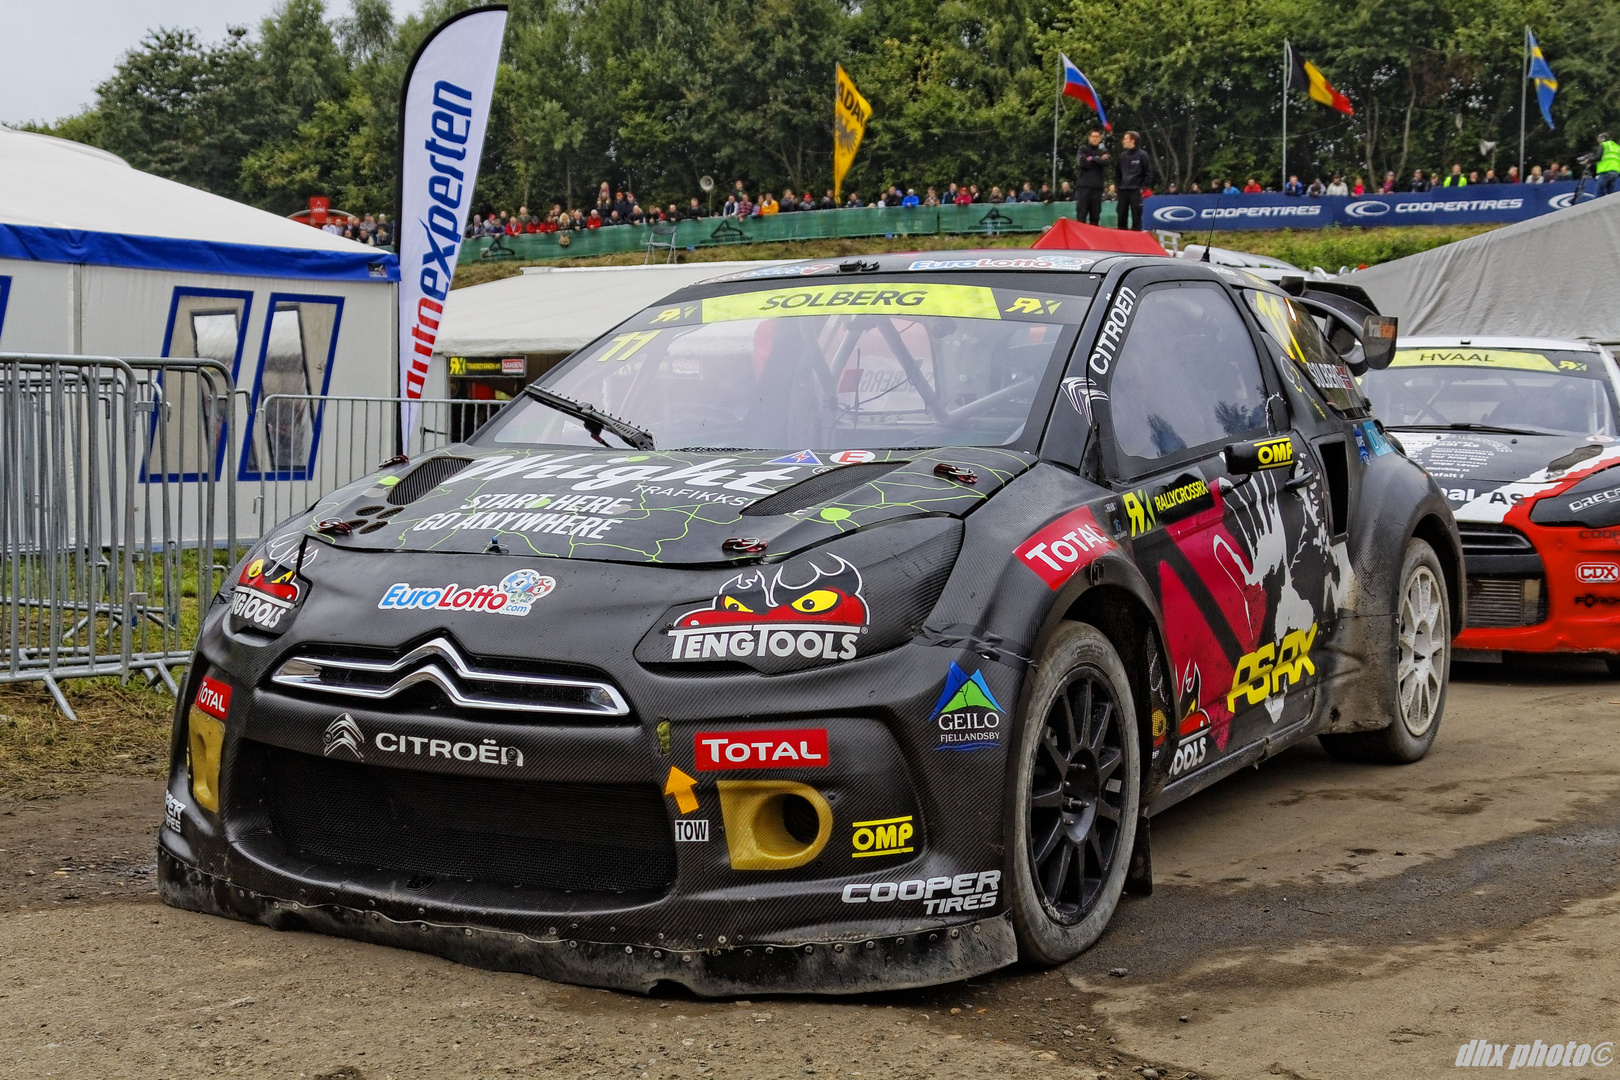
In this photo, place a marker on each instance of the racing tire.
(1074, 798)
(1420, 671)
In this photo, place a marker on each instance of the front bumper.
(923, 958)
(1582, 611)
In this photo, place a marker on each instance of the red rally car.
(1523, 436)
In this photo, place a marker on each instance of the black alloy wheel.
(1076, 798)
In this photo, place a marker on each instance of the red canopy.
(1068, 234)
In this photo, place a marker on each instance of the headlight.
(1593, 503)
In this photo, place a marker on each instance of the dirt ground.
(1309, 920)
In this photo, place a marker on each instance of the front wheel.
(1422, 659)
(1075, 797)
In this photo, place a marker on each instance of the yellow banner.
(850, 114)
(1462, 356)
(959, 301)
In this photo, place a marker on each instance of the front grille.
(439, 663)
(1506, 601)
(603, 838)
(1479, 539)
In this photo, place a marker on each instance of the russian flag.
(1076, 85)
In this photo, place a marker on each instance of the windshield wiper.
(1494, 428)
(595, 420)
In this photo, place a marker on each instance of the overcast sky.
(54, 52)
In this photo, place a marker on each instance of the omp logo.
(1272, 668)
(1275, 453)
(1597, 573)
(1482, 1053)
(1368, 209)
(343, 734)
(889, 836)
(1174, 213)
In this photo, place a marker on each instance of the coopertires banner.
(1475, 205)
(444, 112)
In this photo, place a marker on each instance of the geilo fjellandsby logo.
(967, 713)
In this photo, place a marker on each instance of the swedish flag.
(1542, 75)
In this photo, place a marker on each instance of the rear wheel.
(1422, 658)
(1075, 799)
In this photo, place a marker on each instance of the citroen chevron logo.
(343, 734)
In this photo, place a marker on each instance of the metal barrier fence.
(982, 219)
(355, 434)
(117, 513)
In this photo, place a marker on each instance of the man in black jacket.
(1134, 172)
(1089, 166)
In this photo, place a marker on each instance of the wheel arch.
(1132, 626)
(1442, 539)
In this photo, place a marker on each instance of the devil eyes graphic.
(832, 595)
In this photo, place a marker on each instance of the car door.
(1186, 382)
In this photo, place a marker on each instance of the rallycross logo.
(1481, 1053)
(343, 734)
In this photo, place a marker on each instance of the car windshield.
(1533, 391)
(869, 364)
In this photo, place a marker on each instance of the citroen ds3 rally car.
(824, 627)
(1522, 436)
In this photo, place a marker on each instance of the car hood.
(1484, 474)
(672, 507)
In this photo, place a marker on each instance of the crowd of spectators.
(373, 230)
(624, 208)
(1419, 181)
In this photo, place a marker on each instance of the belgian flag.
(1304, 75)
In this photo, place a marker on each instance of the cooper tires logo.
(1174, 213)
(1567, 199)
(1368, 209)
(343, 735)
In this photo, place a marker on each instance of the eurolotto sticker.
(851, 457)
(515, 595)
(1063, 548)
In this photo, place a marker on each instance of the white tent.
(99, 258)
(1552, 276)
(547, 312)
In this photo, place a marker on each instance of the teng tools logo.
(755, 615)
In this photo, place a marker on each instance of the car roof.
(980, 260)
(1433, 341)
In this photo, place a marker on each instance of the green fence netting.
(980, 219)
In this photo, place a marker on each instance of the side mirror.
(1378, 341)
(1276, 452)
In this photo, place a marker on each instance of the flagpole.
(1057, 104)
(1524, 100)
(1286, 67)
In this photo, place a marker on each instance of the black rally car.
(825, 627)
